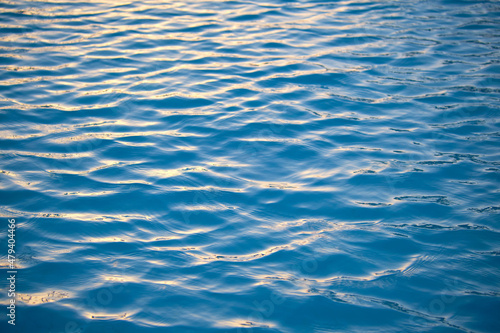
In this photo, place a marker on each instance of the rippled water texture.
(251, 166)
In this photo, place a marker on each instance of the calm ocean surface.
(251, 166)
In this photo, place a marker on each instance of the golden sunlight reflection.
(44, 297)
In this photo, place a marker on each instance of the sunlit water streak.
(252, 166)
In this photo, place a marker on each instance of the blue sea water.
(251, 165)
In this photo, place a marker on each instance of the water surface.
(252, 166)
